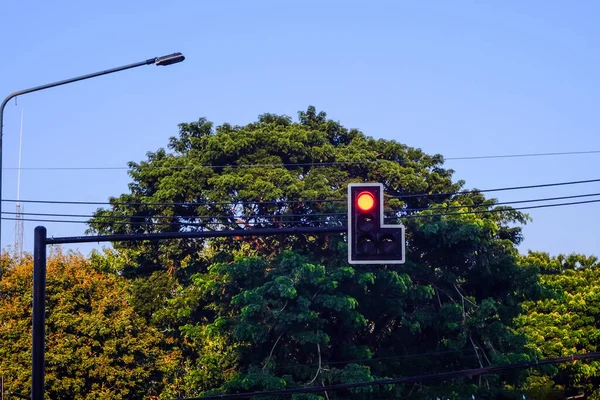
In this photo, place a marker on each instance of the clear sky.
(460, 78)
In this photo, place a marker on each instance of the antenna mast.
(19, 228)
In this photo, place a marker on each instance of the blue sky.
(459, 78)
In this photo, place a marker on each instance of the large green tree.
(285, 311)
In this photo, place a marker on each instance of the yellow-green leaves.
(97, 345)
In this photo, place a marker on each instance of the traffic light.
(370, 241)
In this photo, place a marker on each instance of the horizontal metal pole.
(196, 235)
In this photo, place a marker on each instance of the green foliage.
(98, 347)
(564, 321)
(286, 311)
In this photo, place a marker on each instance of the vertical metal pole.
(39, 313)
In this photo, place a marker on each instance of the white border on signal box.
(400, 226)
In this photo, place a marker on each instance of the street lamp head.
(170, 59)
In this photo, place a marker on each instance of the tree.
(237, 308)
(564, 322)
(97, 346)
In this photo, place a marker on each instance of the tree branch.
(448, 294)
(284, 306)
(463, 297)
(326, 395)
(411, 390)
(272, 350)
(479, 359)
(437, 293)
(318, 369)
(485, 356)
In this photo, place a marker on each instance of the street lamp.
(158, 61)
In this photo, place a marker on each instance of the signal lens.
(366, 244)
(387, 244)
(365, 223)
(365, 201)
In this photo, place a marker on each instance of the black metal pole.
(164, 60)
(39, 313)
(129, 237)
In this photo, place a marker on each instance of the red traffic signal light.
(370, 241)
(365, 201)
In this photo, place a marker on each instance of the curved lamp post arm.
(164, 60)
(158, 61)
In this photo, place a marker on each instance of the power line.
(313, 221)
(231, 216)
(509, 209)
(278, 216)
(468, 352)
(403, 356)
(312, 164)
(465, 373)
(283, 202)
(136, 223)
(562, 153)
(502, 203)
(543, 185)
(205, 203)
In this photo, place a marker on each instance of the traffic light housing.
(370, 241)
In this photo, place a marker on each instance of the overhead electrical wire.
(503, 189)
(468, 352)
(560, 153)
(465, 373)
(315, 164)
(505, 202)
(208, 203)
(153, 224)
(97, 221)
(332, 214)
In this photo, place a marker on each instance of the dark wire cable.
(315, 221)
(387, 358)
(505, 209)
(315, 164)
(180, 223)
(561, 153)
(232, 216)
(391, 214)
(283, 202)
(498, 203)
(191, 167)
(465, 373)
(543, 185)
